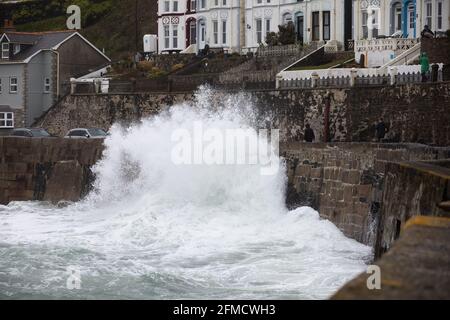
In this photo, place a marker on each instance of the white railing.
(405, 58)
(352, 77)
(394, 44)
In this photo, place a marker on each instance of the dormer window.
(5, 50)
(16, 48)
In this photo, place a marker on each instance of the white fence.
(354, 77)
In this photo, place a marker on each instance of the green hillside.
(109, 24)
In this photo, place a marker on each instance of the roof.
(4, 108)
(39, 41)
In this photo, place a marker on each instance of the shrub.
(272, 39)
(145, 66)
(176, 67)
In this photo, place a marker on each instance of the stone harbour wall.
(413, 113)
(351, 184)
(49, 169)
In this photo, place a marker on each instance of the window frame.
(4, 120)
(328, 37)
(175, 36)
(5, 49)
(315, 36)
(439, 15)
(224, 31)
(47, 85)
(259, 32)
(11, 85)
(166, 31)
(429, 14)
(215, 30)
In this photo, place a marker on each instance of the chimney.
(8, 25)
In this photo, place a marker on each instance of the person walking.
(309, 134)
(424, 66)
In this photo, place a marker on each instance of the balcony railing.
(394, 44)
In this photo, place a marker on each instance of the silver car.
(84, 133)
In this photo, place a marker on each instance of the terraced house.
(35, 70)
(237, 25)
(242, 25)
(374, 18)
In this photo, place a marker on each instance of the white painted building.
(235, 25)
(373, 18)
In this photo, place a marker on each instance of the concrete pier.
(416, 267)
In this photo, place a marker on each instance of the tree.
(272, 39)
(286, 33)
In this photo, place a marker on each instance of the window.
(5, 50)
(374, 17)
(224, 2)
(412, 17)
(224, 32)
(193, 32)
(287, 17)
(429, 14)
(364, 20)
(398, 18)
(259, 30)
(203, 4)
(267, 27)
(0, 85)
(193, 5)
(6, 120)
(315, 26)
(166, 6)
(216, 32)
(439, 15)
(216, 3)
(47, 85)
(175, 6)
(13, 85)
(166, 37)
(326, 25)
(175, 36)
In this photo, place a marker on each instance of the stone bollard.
(393, 74)
(353, 74)
(73, 86)
(96, 86)
(314, 79)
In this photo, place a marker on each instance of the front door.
(300, 26)
(202, 36)
(192, 32)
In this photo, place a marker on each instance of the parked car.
(31, 133)
(84, 133)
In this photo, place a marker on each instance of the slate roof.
(37, 41)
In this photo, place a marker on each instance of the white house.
(373, 18)
(234, 25)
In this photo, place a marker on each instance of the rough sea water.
(152, 229)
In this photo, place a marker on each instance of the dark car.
(31, 133)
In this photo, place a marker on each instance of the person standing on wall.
(427, 33)
(381, 130)
(309, 134)
(424, 66)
